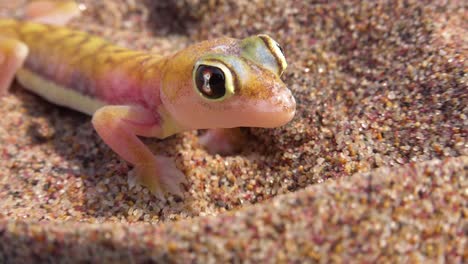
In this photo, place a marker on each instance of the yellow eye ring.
(213, 80)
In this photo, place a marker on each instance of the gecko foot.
(52, 12)
(224, 141)
(160, 177)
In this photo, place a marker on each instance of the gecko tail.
(52, 12)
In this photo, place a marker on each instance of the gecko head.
(226, 83)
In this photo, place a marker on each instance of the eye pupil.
(210, 81)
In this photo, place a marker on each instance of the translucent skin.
(261, 98)
(134, 93)
(86, 64)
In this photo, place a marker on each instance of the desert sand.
(373, 168)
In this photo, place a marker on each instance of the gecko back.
(80, 62)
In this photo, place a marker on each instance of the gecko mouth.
(277, 111)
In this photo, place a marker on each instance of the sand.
(372, 168)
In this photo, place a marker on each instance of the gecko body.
(89, 68)
(220, 83)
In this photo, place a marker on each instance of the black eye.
(210, 81)
(280, 48)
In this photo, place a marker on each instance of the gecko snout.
(286, 107)
(274, 112)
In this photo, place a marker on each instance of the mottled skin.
(134, 93)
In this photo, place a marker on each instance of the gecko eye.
(210, 81)
(213, 79)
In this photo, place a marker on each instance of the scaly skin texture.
(221, 83)
(93, 66)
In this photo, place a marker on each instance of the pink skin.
(13, 52)
(116, 87)
(119, 127)
(223, 141)
(54, 13)
(12, 56)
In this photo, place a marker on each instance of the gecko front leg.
(52, 12)
(120, 126)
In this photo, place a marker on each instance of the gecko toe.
(161, 177)
(172, 179)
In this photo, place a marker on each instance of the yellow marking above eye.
(209, 83)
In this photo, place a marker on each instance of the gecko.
(218, 84)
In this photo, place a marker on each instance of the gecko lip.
(287, 105)
(274, 113)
